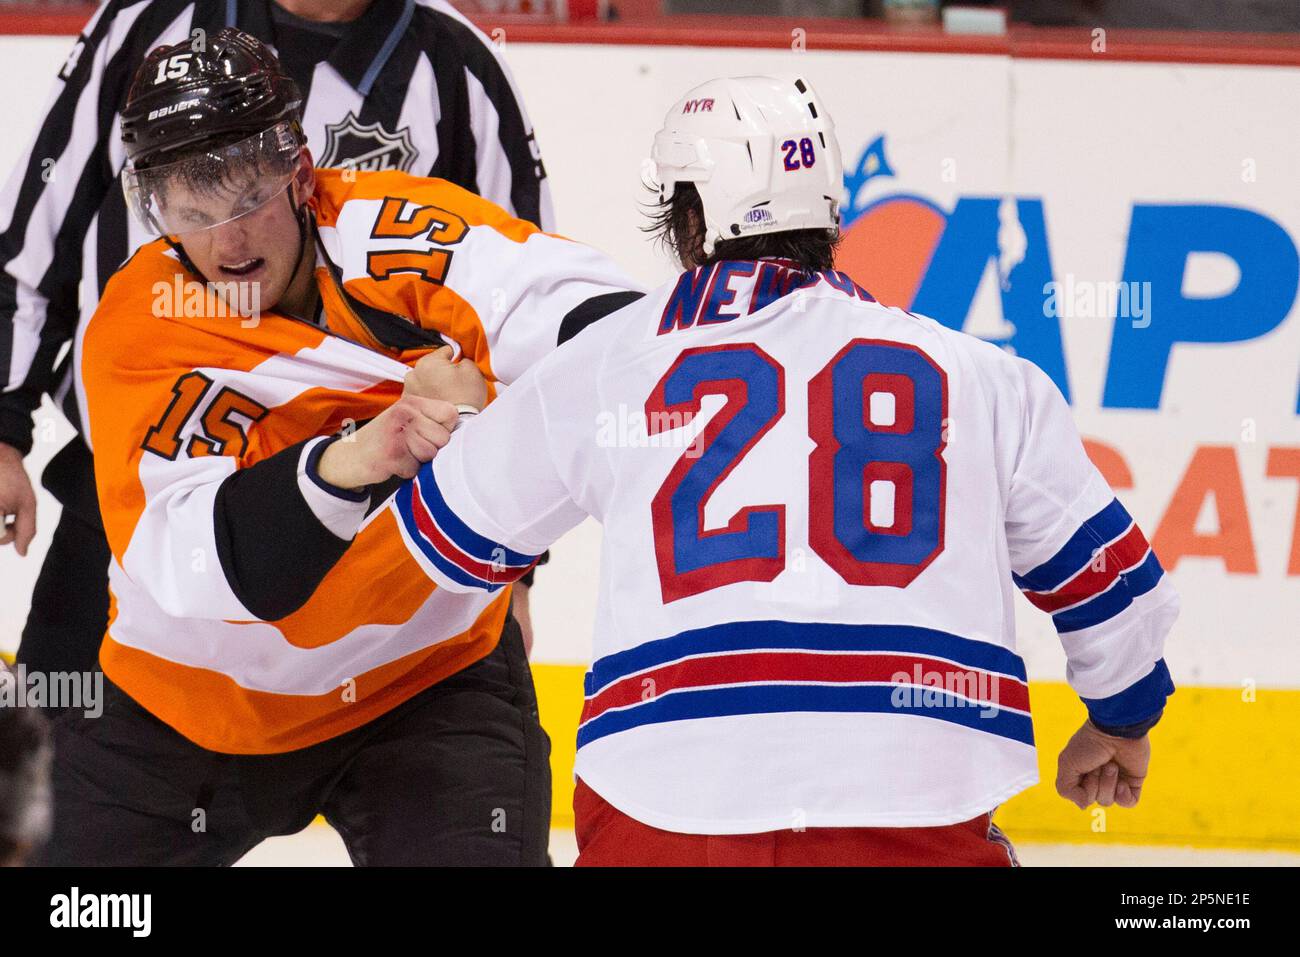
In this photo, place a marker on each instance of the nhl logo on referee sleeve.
(351, 144)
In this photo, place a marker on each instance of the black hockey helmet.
(188, 96)
(218, 120)
(212, 134)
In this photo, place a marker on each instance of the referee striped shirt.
(409, 85)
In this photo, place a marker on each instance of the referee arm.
(53, 194)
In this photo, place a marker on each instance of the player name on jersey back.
(730, 289)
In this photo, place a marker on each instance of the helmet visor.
(213, 187)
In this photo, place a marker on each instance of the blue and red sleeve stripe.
(449, 545)
(1096, 574)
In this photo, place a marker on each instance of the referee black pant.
(69, 611)
(457, 775)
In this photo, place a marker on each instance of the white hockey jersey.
(816, 512)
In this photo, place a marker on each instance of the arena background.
(980, 170)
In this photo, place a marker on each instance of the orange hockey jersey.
(254, 609)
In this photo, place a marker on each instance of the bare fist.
(437, 377)
(1095, 767)
(17, 501)
(394, 443)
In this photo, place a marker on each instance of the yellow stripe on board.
(1223, 769)
(559, 701)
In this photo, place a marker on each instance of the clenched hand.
(395, 442)
(17, 501)
(1097, 767)
(436, 377)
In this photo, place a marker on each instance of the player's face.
(259, 245)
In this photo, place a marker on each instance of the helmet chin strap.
(178, 249)
(185, 259)
(300, 213)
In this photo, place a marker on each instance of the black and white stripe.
(413, 65)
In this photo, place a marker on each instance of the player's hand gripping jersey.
(810, 554)
(241, 616)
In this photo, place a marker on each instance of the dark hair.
(678, 225)
(205, 172)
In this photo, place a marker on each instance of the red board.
(1063, 43)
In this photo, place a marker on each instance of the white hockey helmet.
(760, 150)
